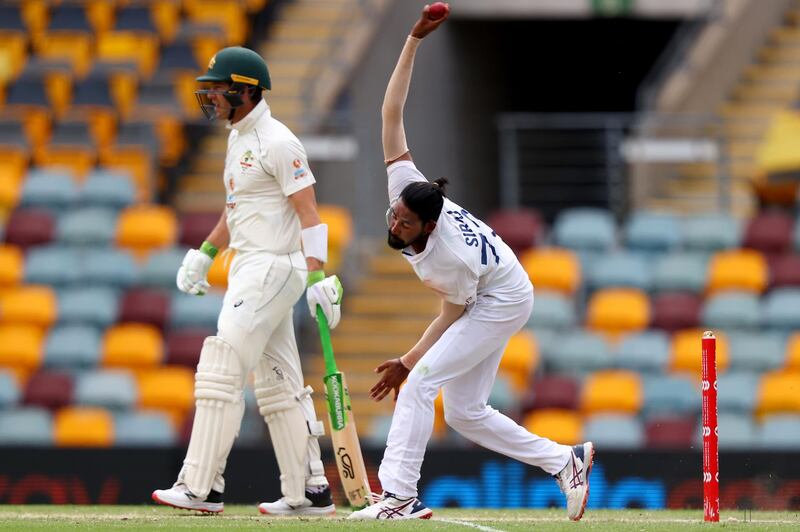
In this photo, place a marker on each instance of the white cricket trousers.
(463, 363)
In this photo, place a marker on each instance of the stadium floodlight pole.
(710, 431)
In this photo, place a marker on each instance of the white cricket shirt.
(264, 164)
(463, 260)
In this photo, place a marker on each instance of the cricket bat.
(344, 437)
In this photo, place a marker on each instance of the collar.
(249, 121)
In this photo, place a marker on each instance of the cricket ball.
(437, 10)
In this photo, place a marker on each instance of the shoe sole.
(324, 513)
(588, 466)
(203, 510)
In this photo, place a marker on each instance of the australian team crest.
(247, 160)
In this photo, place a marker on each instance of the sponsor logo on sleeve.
(299, 170)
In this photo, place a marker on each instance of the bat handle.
(325, 340)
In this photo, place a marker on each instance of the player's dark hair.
(425, 199)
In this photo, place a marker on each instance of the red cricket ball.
(437, 10)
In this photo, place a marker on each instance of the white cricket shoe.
(574, 479)
(390, 506)
(317, 503)
(179, 496)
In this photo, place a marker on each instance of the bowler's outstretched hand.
(426, 23)
(393, 374)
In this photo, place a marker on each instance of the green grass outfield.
(237, 517)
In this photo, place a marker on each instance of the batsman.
(270, 220)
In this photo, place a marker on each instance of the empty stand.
(756, 351)
(195, 227)
(785, 271)
(95, 306)
(686, 351)
(145, 306)
(114, 390)
(30, 227)
(29, 304)
(645, 351)
(585, 229)
(132, 345)
(670, 432)
(614, 431)
(553, 269)
(72, 347)
(680, 272)
(520, 359)
(781, 309)
(744, 270)
(711, 233)
(616, 391)
(551, 391)
(143, 429)
(552, 310)
(652, 233)
(579, 351)
(77, 426)
(194, 311)
(732, 310)
(670, 395)
(183, 346)
(29, 426)
(87, 227)
(520, 228)
(49, 389)
(618, 310)
(619, 270)
(769, 232)
(563, 426)
(673, 311)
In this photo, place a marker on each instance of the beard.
(395, 242)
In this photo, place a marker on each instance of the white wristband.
(315, 242)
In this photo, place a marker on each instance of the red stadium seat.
(785, 271)
(675, 310)
(195, 227)
(520, 229)
(30, 227)
(49, 389)
(183, 346)
(670, 433)
(552, 391)
(145, 306)
(769, 232)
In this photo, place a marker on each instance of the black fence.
(450, 478)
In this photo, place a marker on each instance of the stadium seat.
(670, 432)
(94, 306)
(553, 269)
(137, 162)
(796, 238)
(645, 351)
(686, 350)
(792, 356)
(340, 233)
(757, 351)
(145, 306)
(72, 346)
(195, 227)
(781, 309)
(129, 47)
(769, 232)
(652, 233)
(49, 389)
(520, 359)
(670, 395)
(132, 345)
(736, 391)
(563, 426)
(585, 229)
(253, 431)
(183, 346)
(519, 228)
(230, 16)
(744, 270)
(144, 429)
(680, 272)
(177, 58)
(114, 390)
(552, 310)
(9, 390)
(30, 227)
(218, 273)
(21, 347)
(503, 396)
(579, 351)
(56, 191)
(169, 389)
(29, 304)
(12, 266)
(194, 311)
(552, 391)
(711, 233)
(161, 268)
(378, 430)
(616, 391)
(780, 432)
(147, 227)
(673, 311)
(618, 310)
(135, 18)
(778, 393)
(619, 270)
(108, 267)
(107, 189)
(736, 432)
(83, 427)
(29, 426)
(58, 266)
(732, 310)
(785, 271)
(614, 431)
(87, 227)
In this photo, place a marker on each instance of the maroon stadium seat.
(145, 306)
(785, 271)
(552, 392)
(520, 229)
(670, 432)
(769, 232)
(183, 346)
(49, 389)
(30, 227)
(195, 227)
(675, 310)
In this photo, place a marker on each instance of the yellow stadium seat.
(132, 345)
(35, 15)
(59, 91)
(340, 233)
(618, 310)
(124, 91)
(563, 426)
(135, 161)
(166, 18)
(80, 426)
(686, 351)
(743, 269)
(13, 51)
(75, 48)
(520, 359)
(169, 389)
(793, 352)
(12, 169)
(779, 392)
(35, 121)
(553, 269)
(612, 391)
(230, 15)
(439, 424)
(100, 14)
(142, 228)
(171, 139)
(185, 85)
(78, 160)
(129, 47)
(778, 151)
(29, 304)
(21, 346)
(218, 273)
(12, 264)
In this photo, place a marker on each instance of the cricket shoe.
(318, 502)
(390, 506)
(179, 496)
(574, 479)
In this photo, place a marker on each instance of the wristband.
(209, 249)
(315, 242)
(315, 277)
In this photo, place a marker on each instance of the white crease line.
(468, 524)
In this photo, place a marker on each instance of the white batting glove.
(327, 293)
(192, 274)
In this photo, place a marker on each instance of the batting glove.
(192, 274)
(327, 293)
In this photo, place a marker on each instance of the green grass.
(32, 517)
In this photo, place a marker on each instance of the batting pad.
(218, 414)
(290, 432)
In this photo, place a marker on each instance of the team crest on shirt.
(299, 169)
(247, 160)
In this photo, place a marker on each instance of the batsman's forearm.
(220, 236)
(394, 135)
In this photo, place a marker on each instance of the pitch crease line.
(476, 526)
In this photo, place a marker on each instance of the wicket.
(710, 432)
